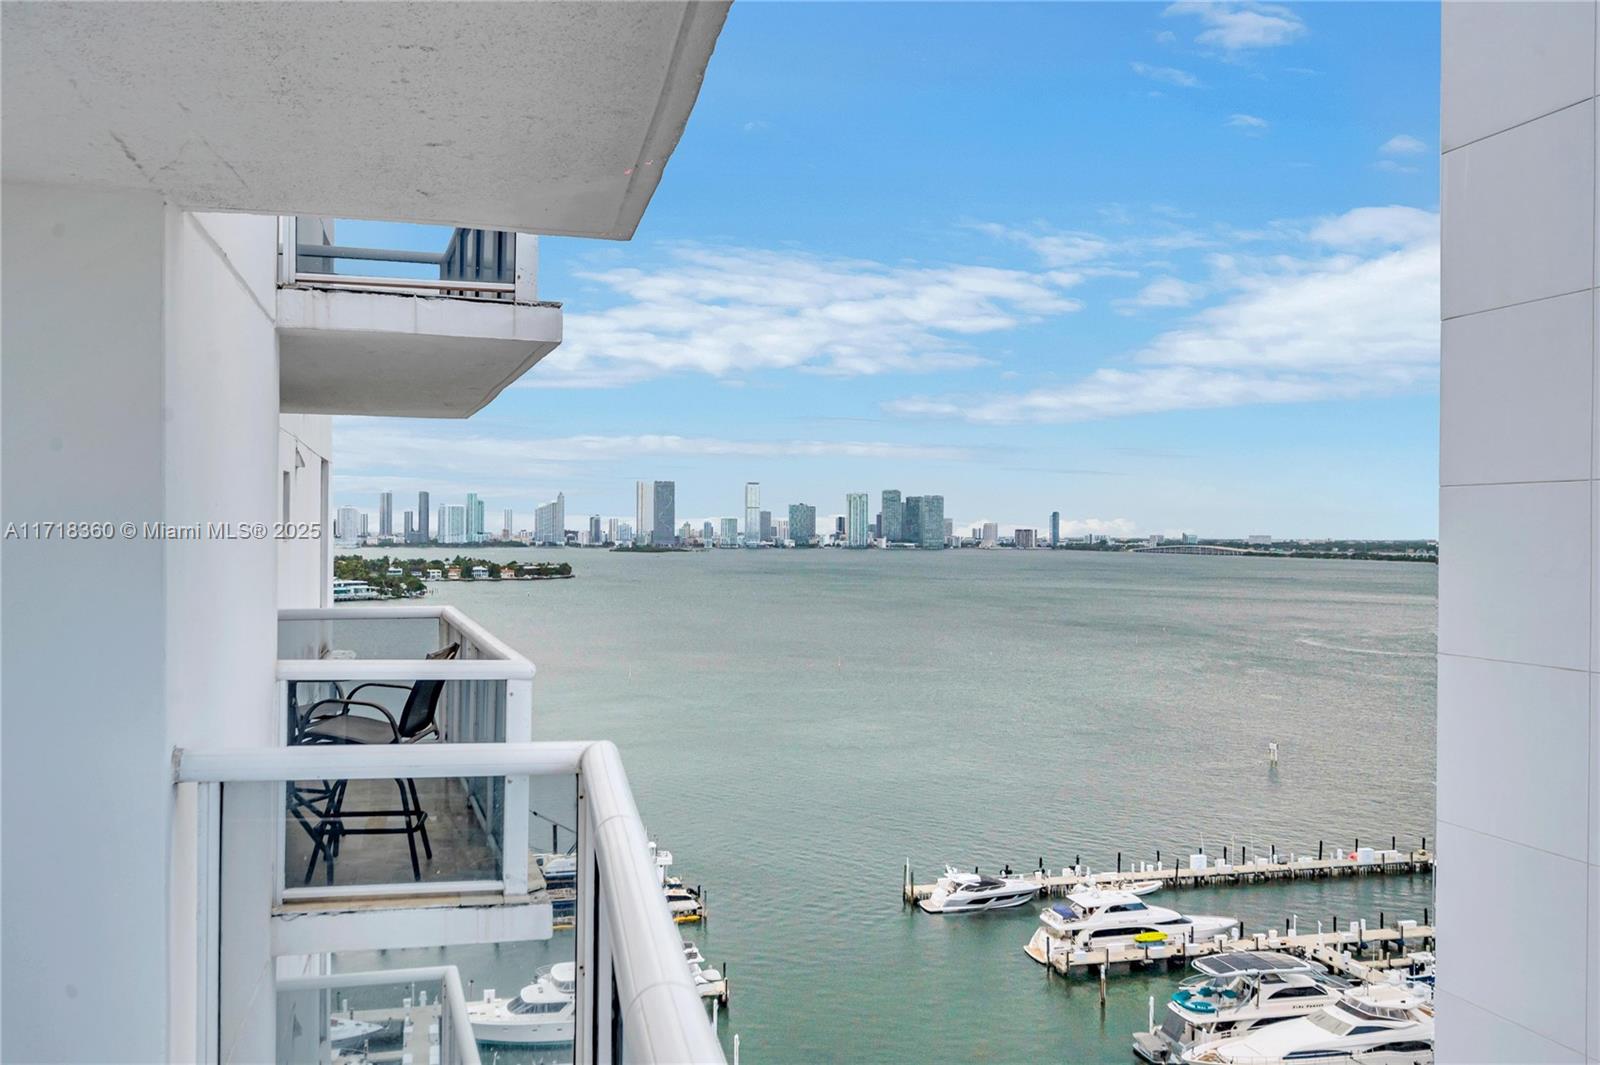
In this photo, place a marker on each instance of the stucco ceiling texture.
(543, 117)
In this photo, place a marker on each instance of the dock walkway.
(1282, 867)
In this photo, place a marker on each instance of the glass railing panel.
(359, 639)
(371, 1014)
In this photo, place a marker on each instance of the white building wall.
(86, 771)
(305, 568)
(1518, 733)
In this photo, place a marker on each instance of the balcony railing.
(634, 999)
(420, 1013)
(357, 672)
(482, 264)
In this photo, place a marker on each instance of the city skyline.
(1130, 342)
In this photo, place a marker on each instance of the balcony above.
(431, 333)
(540, 118)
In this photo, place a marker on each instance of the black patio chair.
(417, 722)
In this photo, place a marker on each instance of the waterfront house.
(175, 345)
(435, 575)
(508, 573)
(480, 573)
(453, 573)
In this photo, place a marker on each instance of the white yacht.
(346, 1032)
(958, 892)
(1382, 1025)
(1235, 993)
(541, 1015)
(1095, 918)
(708, 981)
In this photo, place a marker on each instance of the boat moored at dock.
(1095, 919)
(958, 892)
(1377, 1025)
(542, 1014)
(1234, 993)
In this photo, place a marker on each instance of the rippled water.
(796, 725)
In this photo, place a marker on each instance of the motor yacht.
(708, 981)
(346, 1032)
(1234, 993)
(1095, 918)
(958, 892)
(1382, 1025)
(542, 1014)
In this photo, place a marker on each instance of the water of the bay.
(797, 724)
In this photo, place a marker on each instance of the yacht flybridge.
(1382, 1025)
(1098, 918)
(958, 892)
(1235, 993)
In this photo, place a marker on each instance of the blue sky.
(1157, 267)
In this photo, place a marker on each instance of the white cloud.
(1367, 227)
(1162, 292)
(1239, 27)
(724, 311)
(1363, 321)
(1170, 75)
(1249, 123)
(1402, 144)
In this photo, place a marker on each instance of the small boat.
(708, 981)
(958, 892)
(1094, 918)
(1381, 1025)
(543, 1014)
(349, 1032)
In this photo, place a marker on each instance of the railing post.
(287, 243)
(527, 268)
(514, 848)
(585, 922)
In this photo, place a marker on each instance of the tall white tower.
(752, 512)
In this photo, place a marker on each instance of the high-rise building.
(891, 522)
(453, 525)
(933, 527)
(838, 527)
(1055, 528)
(411, 527)
(780, 530)
(611, 531)
(856, 532)
(911, 520)
(766, 526)
(476, 517)
(385, 513)
(507, 524)
(365, 531)
(730, 532)
(708, 532)
(752, 512)
(990, 534)
(423, 514)
(347, 525)
(802, 523)
(624, 533)
(594, 528)
(1026, 539)
(664, 512)
(550, 521)
(949, 529)
(472, 517)
(644, 510)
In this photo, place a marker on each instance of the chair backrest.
(423, 701)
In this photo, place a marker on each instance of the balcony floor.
(461, 848)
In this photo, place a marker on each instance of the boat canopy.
(1252, 963)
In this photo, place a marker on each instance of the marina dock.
(1198, 870)
(1339, 951)
(419, 1025)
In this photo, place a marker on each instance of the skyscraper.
(411, 527)
(856, 532)
(476, 517)
(506, 524)
(910, 519)
(730, 532)
(766, 526)
(385, 513)
(1055, 528)
(802, 524)
(664, 514)
(453, 524)
(991, 534)
(644, 509)
(550, 521)
(752, 512)
(472, 512)
(594, 528)
(347, 526)
(423, 514)
(892, 521)
(611, 530)
(708, 532)
(923, 522)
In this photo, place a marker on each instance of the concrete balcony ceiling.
(539, 117)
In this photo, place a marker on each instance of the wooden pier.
(1180, 875)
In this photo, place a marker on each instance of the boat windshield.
(522, 1005)
(1330, 1023)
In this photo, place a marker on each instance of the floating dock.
(419, 1041)
(1192, 873)
(1340, 952)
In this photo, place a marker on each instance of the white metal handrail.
(524, 266)
(451, 999)
(628, 949)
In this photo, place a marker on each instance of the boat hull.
(999, 902)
